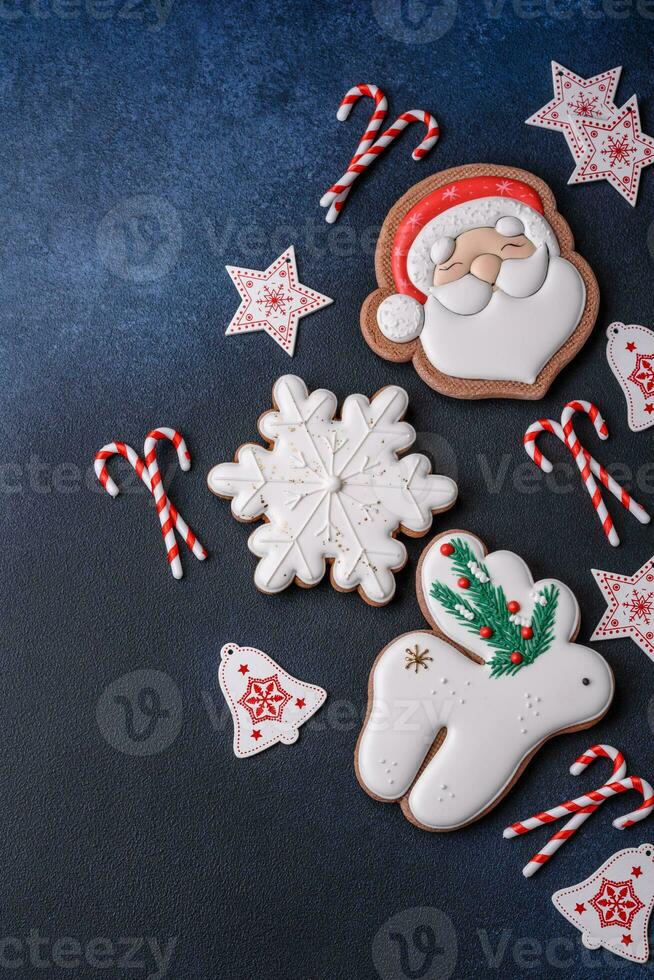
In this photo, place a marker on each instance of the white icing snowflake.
(332, 489)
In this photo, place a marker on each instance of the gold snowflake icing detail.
(416, 658)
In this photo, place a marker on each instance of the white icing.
(465, 296)
(400, 318)
(299, 701)
(496, 723)
(441, 250)
(509, 226)
(510, 339)
(332, 489)
(523, 277)
(481, 213)
(625, 343)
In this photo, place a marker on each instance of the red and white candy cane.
(368, 138)
(174, 517)
(579, 818)
(584, 806)
(587, 464)
(334, 198)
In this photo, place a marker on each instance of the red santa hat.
(426, 237)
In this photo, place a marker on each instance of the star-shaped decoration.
(616, 150)
(577, 99)
(649, 408)
(243, 669)
(630, 346)
(300, 702)
(580, 907)
(273, 300)
(637, 871)
(630, 607)
(256, 734)
(627, 940)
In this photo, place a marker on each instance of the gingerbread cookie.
(333, 490)
(455, 714)
(479, 285)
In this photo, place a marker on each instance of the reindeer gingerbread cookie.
(456, 713)
(479, 285)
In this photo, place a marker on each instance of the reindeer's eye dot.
(648, 853)
(616, 331)
(585, 681)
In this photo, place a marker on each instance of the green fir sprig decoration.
(485, 605)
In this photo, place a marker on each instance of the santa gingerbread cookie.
(479, 285)
(456, 713)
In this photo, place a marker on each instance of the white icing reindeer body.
(494, 714)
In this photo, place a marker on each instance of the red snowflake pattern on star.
(265, 699)
(640, 606)
(629, 606)
(643, 374)
(616, 903)
(616, 150)
(273, 300)
(585, 105)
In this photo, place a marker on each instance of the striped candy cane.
(587, 464)
(577, 449)
(358, 166)
(573, 825)
(368, 138)
(122, 449)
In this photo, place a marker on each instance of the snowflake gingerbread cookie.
(456, 713)
(479, 285)
(333, 490)
(630, 353)
(612, 907)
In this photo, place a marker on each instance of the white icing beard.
(511, 338)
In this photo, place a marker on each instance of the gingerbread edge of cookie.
(471, 388)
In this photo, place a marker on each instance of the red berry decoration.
(513, 607)
(516, 657)
(486, 632)
(447, 550)
(463, 583)
(526, 632)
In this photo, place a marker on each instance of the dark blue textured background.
(140, 153)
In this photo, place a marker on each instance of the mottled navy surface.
(144, 146)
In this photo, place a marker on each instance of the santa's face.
(499, 306)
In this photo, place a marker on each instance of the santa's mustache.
(517, 278)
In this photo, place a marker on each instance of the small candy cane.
(368, 138)
(573, 825)
(122, 449)
(586, 463)
(576, 449)
(334, 199)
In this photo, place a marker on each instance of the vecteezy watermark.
(142, 955)
(565, 10)
(415, 21)
(140, 713)
(140, 238)
(526, 478)
(153, 14)
(416, 944)
(313, 238)
(36, 476)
